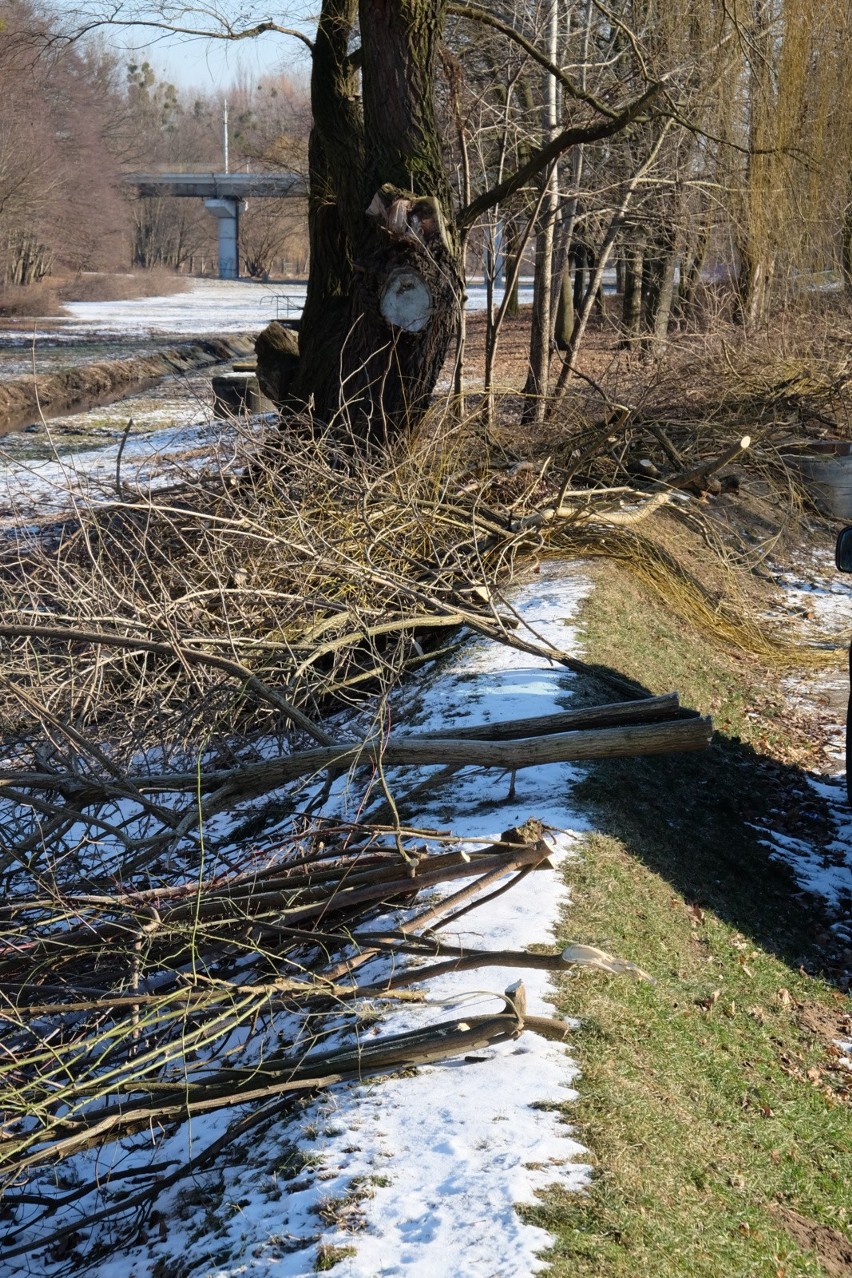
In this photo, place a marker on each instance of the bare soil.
(831, 1246)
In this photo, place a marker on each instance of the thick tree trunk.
(386, 288)
(752, 289)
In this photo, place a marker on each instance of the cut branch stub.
(277, 350)
(406, 301)
(405, 216)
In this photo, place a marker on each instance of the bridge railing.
(286, 305)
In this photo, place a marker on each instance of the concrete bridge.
(224, 194)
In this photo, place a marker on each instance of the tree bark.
(386, 282)
(846, 248)
(381, 229)
(538, 376)
(658, 305)
(564, 325)
(631, 306)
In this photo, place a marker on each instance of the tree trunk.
(752, 289)
(385, 289)
(690, 276)
(661, 293)
(631, 312)
(580, 258)
(564, 326)
(538, 377)
(846, 248)
(512, 242)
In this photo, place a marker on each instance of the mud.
(833, 1249)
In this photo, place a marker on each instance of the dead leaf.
(711, 1000)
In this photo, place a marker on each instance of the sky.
(205, 64)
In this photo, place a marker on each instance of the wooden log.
(695, 477)
(676, 736)
(561, 747)
(238, 394)
(645, 710)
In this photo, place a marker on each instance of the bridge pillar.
(227, 212)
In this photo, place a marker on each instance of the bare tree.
(386, 277)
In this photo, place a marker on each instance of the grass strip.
(714, 1102)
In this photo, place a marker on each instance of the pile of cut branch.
(184, 686)
(132, 1011)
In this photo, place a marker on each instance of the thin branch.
(561, 143)
(226, 32)
(475, 14)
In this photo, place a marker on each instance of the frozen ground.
(419, 1175)
(208, 306)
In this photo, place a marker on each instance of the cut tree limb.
(623, 739)
(694, 478)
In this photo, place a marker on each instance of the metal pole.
(226, 138)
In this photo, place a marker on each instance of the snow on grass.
(822, 600)
(415, 1175)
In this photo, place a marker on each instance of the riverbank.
(25, 400)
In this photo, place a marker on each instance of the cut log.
(645, 710)
(277, 349)
(561, 747)
(697, 476)
(618, 741)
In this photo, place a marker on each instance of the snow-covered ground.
(208, 306)
(419, 1175)
(40, 460)
(820, 602)
(33, 489)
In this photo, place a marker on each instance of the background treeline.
(733, 193)
(74, 117)
(735, 185)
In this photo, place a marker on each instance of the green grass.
(708, 1099)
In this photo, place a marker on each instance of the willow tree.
(386, 283)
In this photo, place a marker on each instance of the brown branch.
(698, 474)
(192, 656)
(552, 150)
(227, 32)
(414, 751)
(476, 14)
